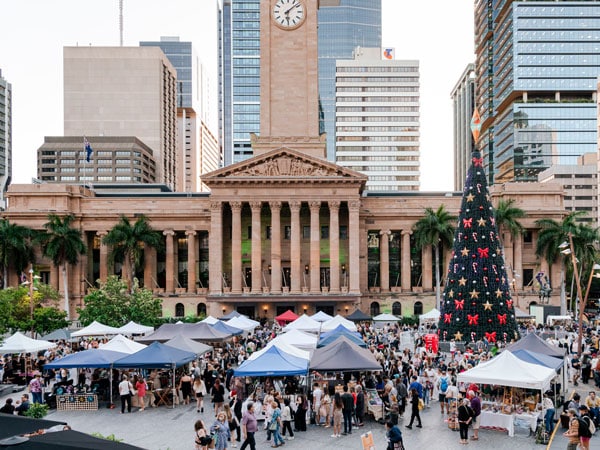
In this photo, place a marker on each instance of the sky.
(438, 33)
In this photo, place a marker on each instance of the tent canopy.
(210, 320)
(135, 328)
(19, 343)
(303, 323)
(431, 316)
(155, 356)
(298, 339)
(386, 318)
(15, 425)
(57, 335)
(284, 347)
(338, 320)
(273, 362)
(225, 327)
(358, 316)
(508, 370)
(539, 358)
(121, 344)
(200, 331)
(343, 356)
(95, 357)
(340, 330)
(70, 439)
(534, 343)
(321, 317)
(96, 329)
(288, 316)
(231, 315)
(182, 343)
(329, 338)
(243, 323)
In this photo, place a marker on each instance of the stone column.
(426, 274)
(384, 260)
(150, 281)
(170, 261)
(406, 287)
(315, 248)
(518, 259)
(334, 246)
(103, 256)
(354, 245)
(54, 281)
(508, 254)
(236, 247)
(295, 253)
(215, 263)
(191, 245)
(275, 246)
(256, 250)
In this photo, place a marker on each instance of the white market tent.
(243, 323)
(386, 318)
(210, 320)
(431, 316)
(19, 343)
(96, 329)
(121, 344)
(321, 317)
(285, 348)
(299, 339)
(135, 328)
(303, 323)
(336, 321)
(508, 370)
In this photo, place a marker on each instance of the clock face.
(289, 14)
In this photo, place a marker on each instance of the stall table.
(506, 422)
(163, 397)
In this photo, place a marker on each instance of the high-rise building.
(536, 75)
(463, 103)
(196, 154)
(343, 25)
(5, 138)
(377, 123)
(124, 91)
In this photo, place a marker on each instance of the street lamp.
(582, 307)
(32, 288)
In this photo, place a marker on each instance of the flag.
(88, 149)
(476, 125)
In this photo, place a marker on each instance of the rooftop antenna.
(121, 23)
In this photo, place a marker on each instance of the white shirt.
(124, 387)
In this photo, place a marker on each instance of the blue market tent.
(340, 329)
(538, 358)
(156, 356)
(332, 336)
(274, 362)
(222, 326)
(231, 315)
(95, 357)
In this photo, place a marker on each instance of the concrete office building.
(463, 104)
(377, 125)
(124, 91)
(5, 138)
(115, 159)
(197, 147)
(537, 65)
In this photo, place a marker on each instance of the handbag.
(211, 444)
(273, 425)
(421, 404)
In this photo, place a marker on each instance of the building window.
(287, 232)
(397, 309)
(268, 233)
(343, 232)
(324, 232)
(374, 309)
(201, 309)
(527, 237)
(527, 277)
(179, 310)
(306, 232)
(249, 236)
(418, 309)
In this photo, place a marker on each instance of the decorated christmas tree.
(477, 302)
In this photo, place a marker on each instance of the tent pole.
(174, 390)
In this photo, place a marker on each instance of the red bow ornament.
(459, 304)
(447, 318)
(502, 319)
(468, 223)
(483, 252)
(509, 304)
(491, 337)
(473, 319)
(478, 162)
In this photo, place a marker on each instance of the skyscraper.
(537, 67)
(463, 103)
(343, 25)
(377, 119)
(5, 137)
(196, 154)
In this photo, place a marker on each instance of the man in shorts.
(476, 407)
(443, 383)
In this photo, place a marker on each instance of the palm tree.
(16, 249)
(552, 234)
(506, 216)
(63, 244)
(128, 242)
(435, 228)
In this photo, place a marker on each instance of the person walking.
(221, 431)
(337, 415)
(550, 412)
(275, 425)
(573, 432)
(300, 416)
(414, 400)
(202, 439)
(199, 389)
(125, 389)
(394, 436)
(141, 386)
(249, 427)
(464, 420)
(476, 409)
(347, 410)
(286, 418)
(360, 406)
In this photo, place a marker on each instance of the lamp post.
(582, 307)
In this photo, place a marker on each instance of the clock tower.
(289, 88)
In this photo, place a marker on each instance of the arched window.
(179, 310)
(418, 309)
(397, 309)
(374, 309)
(201, 309)
(533, 303)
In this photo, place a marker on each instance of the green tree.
(554, 233)
(16, 248)
(128, 241)
(63, 244)
(507, 215)
(113, 304)
(47, 319)
(436, 229)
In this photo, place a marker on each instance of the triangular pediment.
(283, 164)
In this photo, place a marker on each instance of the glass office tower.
(537, 79)
(5, 138)
(343, 26)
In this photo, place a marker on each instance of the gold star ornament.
(481, 222)
(498, 293)
(458, 336)
(464, 252)
(474, 294)
(462, 281)
(470, 197)
(451, 293)
(487, 305)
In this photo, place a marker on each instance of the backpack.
(584, 429)
(590, 424)
(443, 384)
